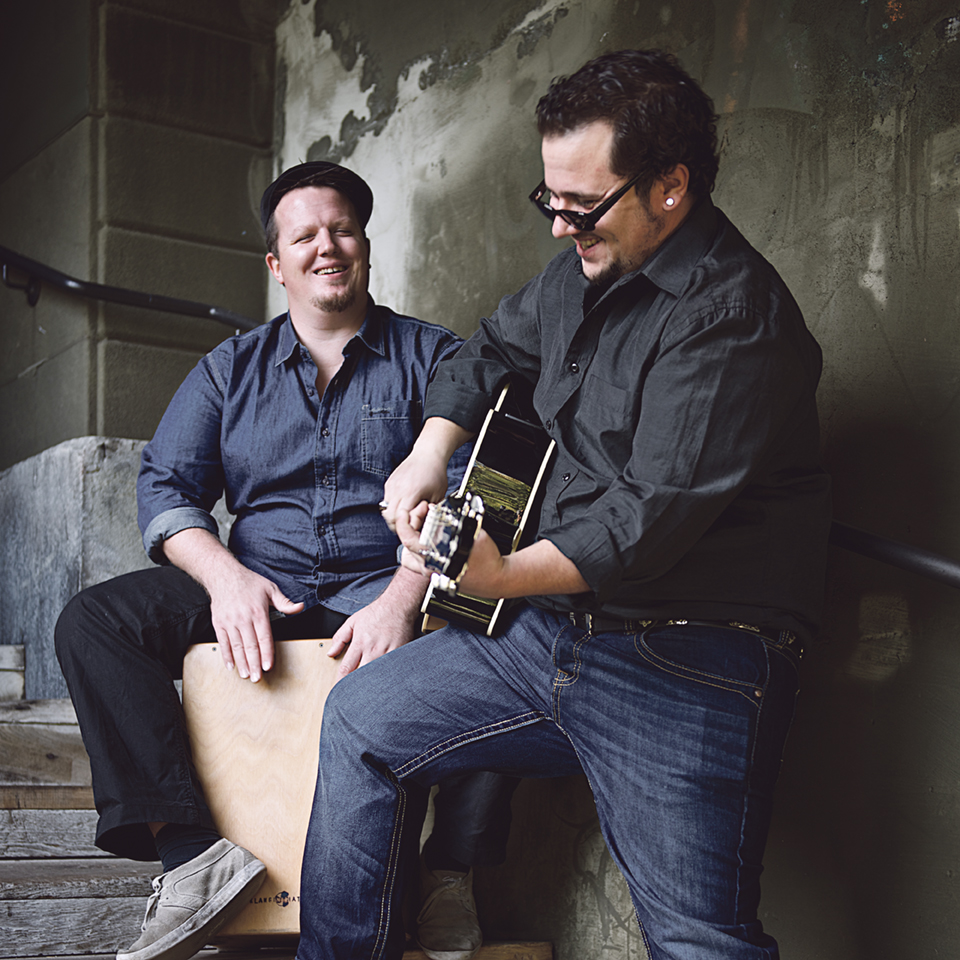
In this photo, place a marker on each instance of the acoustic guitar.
(500, 494)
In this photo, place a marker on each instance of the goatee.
(337, 303)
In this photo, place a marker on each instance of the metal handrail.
(897, 554)
(35, 272)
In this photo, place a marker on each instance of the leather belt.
(593, 623)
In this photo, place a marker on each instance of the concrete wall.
(135, 141)
(841, 162)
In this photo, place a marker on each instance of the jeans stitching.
(753, 757)
(390, 869)
(471, 736)
(560, 682)
(697, 676)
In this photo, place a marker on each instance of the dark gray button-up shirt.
(686, 481)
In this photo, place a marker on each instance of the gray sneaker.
(447, 927)
(190, 904)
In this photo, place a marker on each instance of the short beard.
(337, 303)
(614, 271)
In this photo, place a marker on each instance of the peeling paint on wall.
(446, 42)
(840, 125)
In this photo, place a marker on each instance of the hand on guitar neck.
(504, 474)
(484, 574)
(421, 478)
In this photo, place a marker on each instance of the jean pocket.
(387, 432)
(721, 658)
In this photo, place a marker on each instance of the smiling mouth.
(329, 271)
(585, 243)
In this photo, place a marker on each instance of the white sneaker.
(447, 927)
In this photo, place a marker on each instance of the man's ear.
(273, 264)
(671, 188)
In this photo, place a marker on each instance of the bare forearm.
(405, 593)
(198, 552)
(423, 475)
(440, 437)
(540, 569)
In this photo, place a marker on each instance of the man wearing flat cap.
(297, 424)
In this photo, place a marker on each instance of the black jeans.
(121, 645)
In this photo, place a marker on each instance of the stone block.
(181, 76)
(47, 400)
(137, 382)
(11, 673)
(255, 19)
(163, 180)
(45, 72)
(234, 279)
(46, 203)
(69, 521)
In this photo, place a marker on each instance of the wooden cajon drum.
(255, 748)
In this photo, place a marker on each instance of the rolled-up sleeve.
(181, 473)
(717, 405)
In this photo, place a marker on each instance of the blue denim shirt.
(302, 474)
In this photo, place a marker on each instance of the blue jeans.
(679, 730)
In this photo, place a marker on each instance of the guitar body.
(506, 471)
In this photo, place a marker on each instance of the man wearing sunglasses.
(680, 556)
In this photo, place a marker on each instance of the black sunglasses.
(581, 221)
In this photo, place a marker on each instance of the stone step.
(45, 796)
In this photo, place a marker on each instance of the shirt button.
(565, 477)
(549, 424)
(574, 367)
(324, 432)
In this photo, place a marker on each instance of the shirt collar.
(371, 333)
(673, 262)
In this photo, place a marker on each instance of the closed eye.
(581, 203)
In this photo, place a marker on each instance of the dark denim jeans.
(679, 730)
(122, 643)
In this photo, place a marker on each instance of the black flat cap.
(325, 174)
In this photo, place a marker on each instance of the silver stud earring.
(670, 201)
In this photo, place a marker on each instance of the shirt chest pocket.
(387, 432)
(605, 424)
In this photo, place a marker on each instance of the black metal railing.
(897, 554)
(37, 273)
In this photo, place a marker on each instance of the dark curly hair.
(660, 116)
